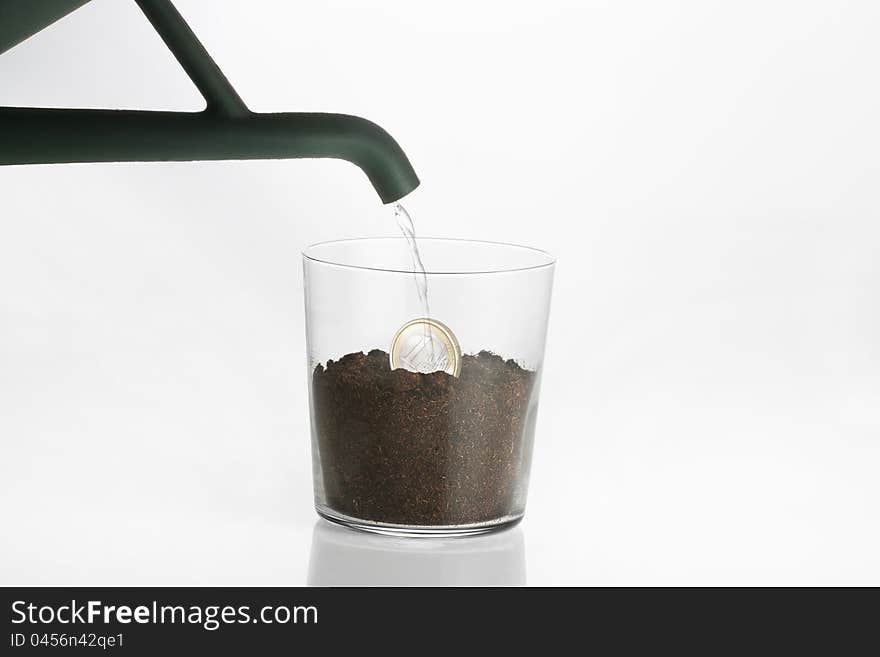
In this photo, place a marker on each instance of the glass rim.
(550, 259)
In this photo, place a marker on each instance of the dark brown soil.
(423, 449)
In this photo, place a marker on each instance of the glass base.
(418, 531)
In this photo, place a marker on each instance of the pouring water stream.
(405, 223)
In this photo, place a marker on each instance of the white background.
(706, 173)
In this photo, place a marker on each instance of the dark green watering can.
(225, 130)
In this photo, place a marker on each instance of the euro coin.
(425, 345)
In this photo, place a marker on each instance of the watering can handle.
(20, 19)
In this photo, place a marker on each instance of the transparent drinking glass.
(423, 416)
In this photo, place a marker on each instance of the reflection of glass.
(341, 557)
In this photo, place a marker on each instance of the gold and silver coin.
(425, 345)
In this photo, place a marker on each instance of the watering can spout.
(43, 136)
(225, 130)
